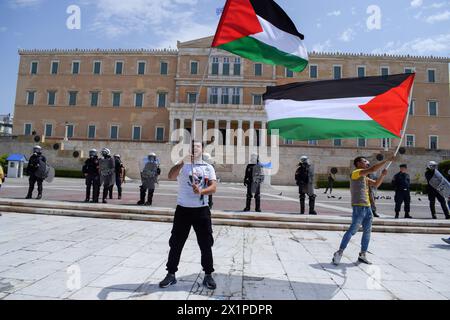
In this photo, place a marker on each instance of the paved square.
(53, 257)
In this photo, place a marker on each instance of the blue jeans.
(361, 216)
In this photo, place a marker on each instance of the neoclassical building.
(144, 95)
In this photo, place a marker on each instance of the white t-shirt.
(203, 173)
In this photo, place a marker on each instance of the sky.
(415, 27)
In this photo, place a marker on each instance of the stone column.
(239, 136)
(205, 129)
(216, 131)
(251, 137)
(228, 133)
(181, 128)
(171, 128)
(263, 134)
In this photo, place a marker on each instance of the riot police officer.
(91, 171)
(37, 171)
(107, 172)
(253, 179)
(402, 184)
(304, 176)
(433, 194)
(149, 177)
(120, 176)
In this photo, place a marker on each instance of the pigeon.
(420, 199)
(281, 193)
(340, 198)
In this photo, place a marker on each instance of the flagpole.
(194, 115)
(404, 127)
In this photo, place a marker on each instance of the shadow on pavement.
(230, 286)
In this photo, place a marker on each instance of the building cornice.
(315, 54)
(97, 51)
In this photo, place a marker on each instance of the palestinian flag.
(261, 31)
(371, 107)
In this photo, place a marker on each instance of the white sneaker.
(337, 258)
(363, 259)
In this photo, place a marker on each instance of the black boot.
(312, 205)
(149, 198)
(302, 204)
(397, 215)
(247, 204)
(433, 212)
(39, 197)
(142, 197)
(257, 204)
(29, 195)
(407, 215)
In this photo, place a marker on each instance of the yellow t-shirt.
(359, 188)
(2, 175)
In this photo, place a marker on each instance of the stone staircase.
(238, 219)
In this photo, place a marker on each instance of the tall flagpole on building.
(404, 127)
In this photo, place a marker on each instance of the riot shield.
(440, 184)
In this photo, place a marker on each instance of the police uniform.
(92, 174)
(34, 170)
(433, 194)
(304, 177)
(402, 184)
(252, 180)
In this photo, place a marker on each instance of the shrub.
(68, 173)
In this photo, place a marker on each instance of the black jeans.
(432, 196)
(400, 197)
(92, 181)
(200, 219)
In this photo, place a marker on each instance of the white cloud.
(416, 3)
(439, 44)
(24, 3)
(348, 35)
(169, 19)
(322, 47)
(443, 16)
(334, 13)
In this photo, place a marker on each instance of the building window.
(141, 67)
(257, 99)
(91, 131)
(55, 67)
(412, 107)
(164, 68)
(434, 142)
(361, 71)
(258, 69)
(114, 132)
(159, 134)
(288, 142)
(431, 75)
(119, 68)
(70, 131)
(213, 96)
(194, 67)
(237, 67)
(73, 98)
(192, 97)
(34, 67)
(362, 143)
(162, 99)
(30, 97)
(75, 67)
(94, 98)
(27, 129)
(386, 143)
(313, 71)
(337, 142)
(236, 99)
(225, 98)
(215, 66)
(289, 73)
(432, 108)
(51, 99)
(409, 70)
(384, 71)
(313, 142)
(337, 72)
(48, 130)
(226, 67)
(139, 100)
(410, 141)
(116, 98)
(97, 67)
(136, 133)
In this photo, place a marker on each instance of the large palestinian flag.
(261, 31)
(371, 107)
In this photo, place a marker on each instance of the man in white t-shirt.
(195, 183)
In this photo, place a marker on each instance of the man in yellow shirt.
(362, 212)
(2, 176)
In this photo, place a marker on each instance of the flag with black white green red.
(370, 107)
(261, 31)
